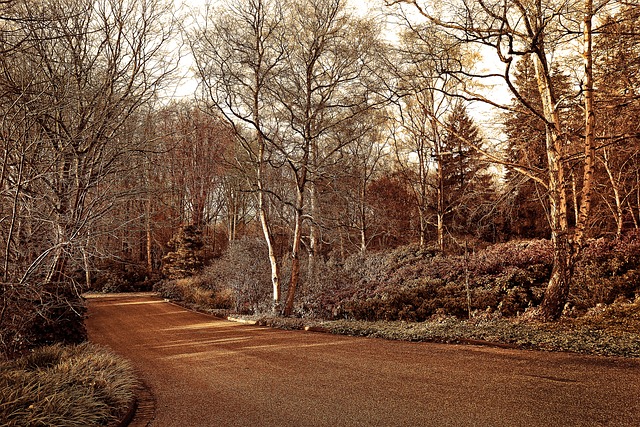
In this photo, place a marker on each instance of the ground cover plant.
(62, 386)
(605, 331)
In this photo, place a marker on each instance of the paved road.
(208, 372)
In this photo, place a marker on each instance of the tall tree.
(616, 73)
(327, 81)
(294, 72)
(424, 55)
(196, 145)
(526, 147)
(83, 69)
(538, 28)
(465, 183)
(238, 51)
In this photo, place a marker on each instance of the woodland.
(451, 158)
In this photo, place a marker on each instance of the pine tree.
(617, 74)
(526, 204)
(466, 183)
(186, 257)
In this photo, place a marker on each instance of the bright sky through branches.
(187, 84)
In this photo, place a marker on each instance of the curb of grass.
(241, 320)
(141, 409)
(539, 340)
(465, 341)
(129, 414)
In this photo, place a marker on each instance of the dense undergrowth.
(415, 284)
(69, 386)
(35, 315)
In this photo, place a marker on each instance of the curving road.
(207, 372)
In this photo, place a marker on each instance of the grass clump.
(60, 386)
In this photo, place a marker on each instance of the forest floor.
(612, 330)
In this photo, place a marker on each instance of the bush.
(239, 280)
(414, 284)
(42, 314)
(65, 386)
(321, 296)
(244, 272)
(188, 290)
(122, 277)
(608, 270)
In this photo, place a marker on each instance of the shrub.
(122, 277)
(607, 270)
(413, 284)
(239, 280)
(244, 272)
(188, 290)
(169, 289)
(39, 314)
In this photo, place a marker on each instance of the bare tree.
(513, 29)
(425, 54)
(238, 50)
(81, 77)
(327, 80)
(293, 72)
(195, 145)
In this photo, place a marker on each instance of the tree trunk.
(633, 215)
(295, 252)
(363, 216)
(440, 209)
(564, 250)
(574, 198)
(266, 230)
(149, 237)
(590, 122)
(314, 234)
(557, 291)
(558, 287)
(14, 218)
(273, 261)
(87, 269)
(618, 214)
(423, 227)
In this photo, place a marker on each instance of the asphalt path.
(204, 371)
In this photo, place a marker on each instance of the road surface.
(207, 372)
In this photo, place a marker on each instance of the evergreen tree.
(185, 259)
(526, 203)
(466, 183)
(617, 75)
